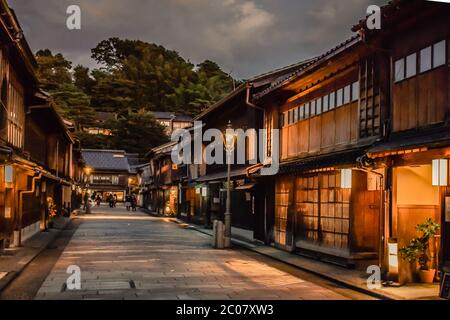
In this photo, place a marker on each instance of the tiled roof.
(114, 160)
(306, 65)
(170, 115)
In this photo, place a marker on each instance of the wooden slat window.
(16, 113)
(322, 210)
(307, 208)
(369, 100)
(282, 204)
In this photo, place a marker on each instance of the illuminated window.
(399, 70)
(319, 105)
(16, 115)
(425, 59)
(332, 100)
(411, 65)
(439, 54)
(325, 103)
(301, 112)
(347, 91)
(307, 113)
(339, 96)
(313, 108)
(355, 91)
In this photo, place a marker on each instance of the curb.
(6, 281)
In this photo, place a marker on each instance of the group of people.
(111, 199)
(131, 202)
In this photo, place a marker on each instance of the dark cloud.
(247, 37)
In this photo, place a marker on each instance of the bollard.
(214, 237)
(218, 240)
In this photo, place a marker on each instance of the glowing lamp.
(440, 172)
(230, 138)
(9, 174)
(346, 178)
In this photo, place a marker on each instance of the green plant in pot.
(418, 250)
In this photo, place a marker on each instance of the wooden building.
(172, 121)
(161, 180)
(110, 172)
(364, 144)
(415, 37)
(328, 113)
(204, 193)
(36, 149)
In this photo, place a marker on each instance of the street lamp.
(230, 138)
(88, 172)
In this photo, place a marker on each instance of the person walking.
(98, 200)
(128, 202)
(133, 202)
(86, 206)
(114, 200)
(111, 200)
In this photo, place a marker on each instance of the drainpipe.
(21, 193)
(249, 103)
(361, 167)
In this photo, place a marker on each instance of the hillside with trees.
(135, 78)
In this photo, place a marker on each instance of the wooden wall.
(422, 100)
(333, 130)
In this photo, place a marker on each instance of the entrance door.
(415, 199)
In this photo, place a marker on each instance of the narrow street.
(125, 255)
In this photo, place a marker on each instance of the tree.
(135, 78)
(74, 105)
(139, 75)
(137, 133)
(83, 80)
(53, 70)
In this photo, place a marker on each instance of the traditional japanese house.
(322, 202)
(49, 145)
(162, 181)
(415, 37)
(35, 147)
(172, 121)
(207, 200)
(109, 172)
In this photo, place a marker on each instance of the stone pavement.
(125, 255)
(354, 279)
(14, 260)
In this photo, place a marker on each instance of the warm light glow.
(393, 256)
(440, 172)
(88, 170)
(9, 174)
(346, 178)
(230, 139)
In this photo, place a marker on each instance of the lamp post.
(229, 148)
(88, 172)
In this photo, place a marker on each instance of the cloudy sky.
(246, 37)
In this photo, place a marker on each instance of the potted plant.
(418, 250)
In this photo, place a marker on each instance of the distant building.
(101, 119)
(172, 121)
(110, 171)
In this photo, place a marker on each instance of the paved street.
(125, 255)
